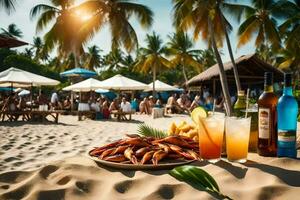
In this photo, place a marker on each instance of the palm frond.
(148, 131)
(8, 5)
(143, 13)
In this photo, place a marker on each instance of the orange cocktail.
(237, 138)
(211, 131)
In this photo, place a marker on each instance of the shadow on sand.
(290, 177)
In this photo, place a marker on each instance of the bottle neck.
(288, 91)
(268, 88)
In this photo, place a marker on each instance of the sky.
(162, 10)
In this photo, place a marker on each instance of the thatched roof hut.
(251, 71)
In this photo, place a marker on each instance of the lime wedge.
(197, 113)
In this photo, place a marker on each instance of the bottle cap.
(287, 79)
(241, 93)
(268, 78)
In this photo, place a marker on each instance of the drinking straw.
(214, 106)
(247, 102)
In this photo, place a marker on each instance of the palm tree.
(290, 30)
(8, 5)
(180, 46)
(114, 59)
(28, 53)
(64, 31)
(206, 58)
(93, 58)
(38, 48)
(261, 22)
(151, 58)
(116, 14)
(206, 18)
(12, 31)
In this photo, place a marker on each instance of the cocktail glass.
(211, 131)
(237, 138)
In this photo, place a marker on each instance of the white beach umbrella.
(119, 82)
(84, 86)
(161, 86)
(24, 93)
(21, 78)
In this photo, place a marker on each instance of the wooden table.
(121, 116)
(30, 115)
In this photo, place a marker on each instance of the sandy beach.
(47, 161)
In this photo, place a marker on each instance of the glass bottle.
(287, 110)
(240, 104)
(267, 120)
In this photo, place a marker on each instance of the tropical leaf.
(198, 179)
(8, 5)
(148, 131)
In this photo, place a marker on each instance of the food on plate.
(184, 129)
(136, 149)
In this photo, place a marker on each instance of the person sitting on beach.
(55, 104)
(125, 105)
(182, 102)
(151, 103)
(158, 104)
(99, 103)
(144, 106)
(93, 105)
(67, 104)
(197, 102)
(114, 106)
(105, 108)
(134, 105)
(172, 105)
(209, 102)
(22, 103)
(42, 101)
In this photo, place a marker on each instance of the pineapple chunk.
(192, 133)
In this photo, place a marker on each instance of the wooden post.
(214, 88)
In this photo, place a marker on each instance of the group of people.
(89, 101)
(185, 104)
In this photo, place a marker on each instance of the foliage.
(198, 179)
(10, 58)
(151, 58)
(93, 58)
(64, 31)
(116, 14)
(12, 31)
(148, 131)
(180, 47)
(8, 5)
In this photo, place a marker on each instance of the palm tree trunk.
(185, 76)
(235, 71)
(154, 79)
(223, 78)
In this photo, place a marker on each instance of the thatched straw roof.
(251, 69)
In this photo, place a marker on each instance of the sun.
(83, 15)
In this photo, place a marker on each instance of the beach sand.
(47, 161)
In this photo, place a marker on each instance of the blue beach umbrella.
(6, 89)
(78, 72)
(110, 95)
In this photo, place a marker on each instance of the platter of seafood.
(142, 153)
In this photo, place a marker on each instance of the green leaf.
(148, 131)
(198, 179)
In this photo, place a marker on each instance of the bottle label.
(264, 123)
(286, 135)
